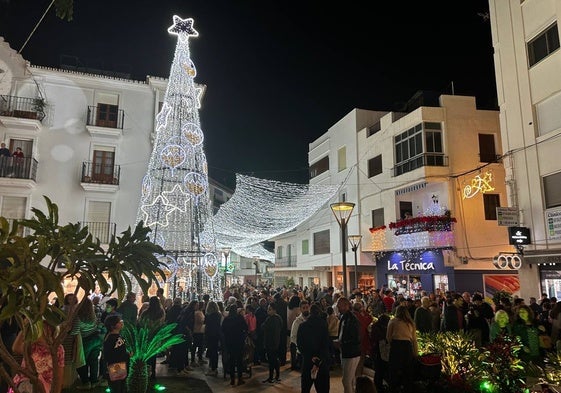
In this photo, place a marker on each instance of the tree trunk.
(137, 381)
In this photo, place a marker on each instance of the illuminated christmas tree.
(175, 200)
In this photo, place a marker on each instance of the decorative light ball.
(173, 156)
(195, 183)
(193, 134)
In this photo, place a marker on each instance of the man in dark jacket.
(423, 317)
(349, 343)
(313, 342)
(260, 317)
(273, 329)
(282, 311)
(234, 330)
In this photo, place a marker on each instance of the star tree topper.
(183, 27)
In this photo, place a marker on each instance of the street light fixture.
(342, 212)
(256, 259)
(354, 240)
(226, 252)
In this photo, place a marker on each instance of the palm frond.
(146, 343)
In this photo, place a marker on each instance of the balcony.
(100, 230)
(18, 172)
(99, 177)
(22, 112)
(421, 160)
(289, 261)
(417, 232)
(105, 121)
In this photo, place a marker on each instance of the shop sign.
(519, 236)
(507, 261)
(553, 222)
(428, 261)
(408, 266)
(507, 216)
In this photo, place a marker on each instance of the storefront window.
(551, 283)
(408, 285)
(441, 282)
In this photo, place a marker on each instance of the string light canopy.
(261, 209)
(175, 201)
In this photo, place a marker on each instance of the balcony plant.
(441, 223)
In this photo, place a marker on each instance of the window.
(318, 167)
(342, 158)
(321, 242)
(103, 166)
(98, 220)
(107, 115)
(373, 129)
(377, 217)
(487, 151)
(543, 45)
(305, 247)
(375, 166)
(13, 208)
(552, 190)
(405, 209)
(410, 153)
(490, 204)
(547, 113)
(279, 252)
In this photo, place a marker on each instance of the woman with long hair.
(213, 319)
(92, 333)
(152, 318)
(402, 336)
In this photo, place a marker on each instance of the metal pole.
(356, 272)
(344, 255)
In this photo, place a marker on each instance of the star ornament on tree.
(183, 27)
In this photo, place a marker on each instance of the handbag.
(117, 371)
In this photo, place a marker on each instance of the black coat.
(234, 330)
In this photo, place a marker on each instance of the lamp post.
(226, 252)
(354, 240)
(342, 212)
(256, 259)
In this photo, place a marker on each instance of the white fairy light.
(175, 201)
(261, 209)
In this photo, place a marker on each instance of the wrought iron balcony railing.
(100, 230)
(100, 173)
(18, 167)
(106, 116)
(22, 107)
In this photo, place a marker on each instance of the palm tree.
(144, 344)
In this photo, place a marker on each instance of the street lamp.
(342, 212)
(226, 252)
(256, 259)
(354, 240)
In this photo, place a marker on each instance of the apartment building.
(525, 37)
(425, 183)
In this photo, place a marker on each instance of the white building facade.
(527, 58)
(86, 141)
(407, 175)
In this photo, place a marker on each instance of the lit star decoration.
(162, 117)
(175, 203)
(479, 184)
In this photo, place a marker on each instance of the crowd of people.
(315, 330)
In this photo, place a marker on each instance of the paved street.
(290, 380)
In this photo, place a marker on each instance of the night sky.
(278, 73)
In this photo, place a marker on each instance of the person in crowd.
(234, 331)
(273, 329)
(161, 296)
(179, 355)
(293, 309)
(153, 319)
(500, 326)
(333, 329)
(349, 343)
(282, 310)
(477, 320)
(213, 320)
(527, 329)
(92, 332)
(388, 300)
(4, 151)
(452, 318)
(313, 341)
(295, 354)
(128, 309)
(171, 317)
(198, 347)
(260, 316)
(402, 336)
(115, 350)
(376, 306)
(364, 320)
(49, 372)
(380, 352)
(555, 316)
(423, 316)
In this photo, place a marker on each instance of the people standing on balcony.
(4, 151)
(4, 155)
(18, 162)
